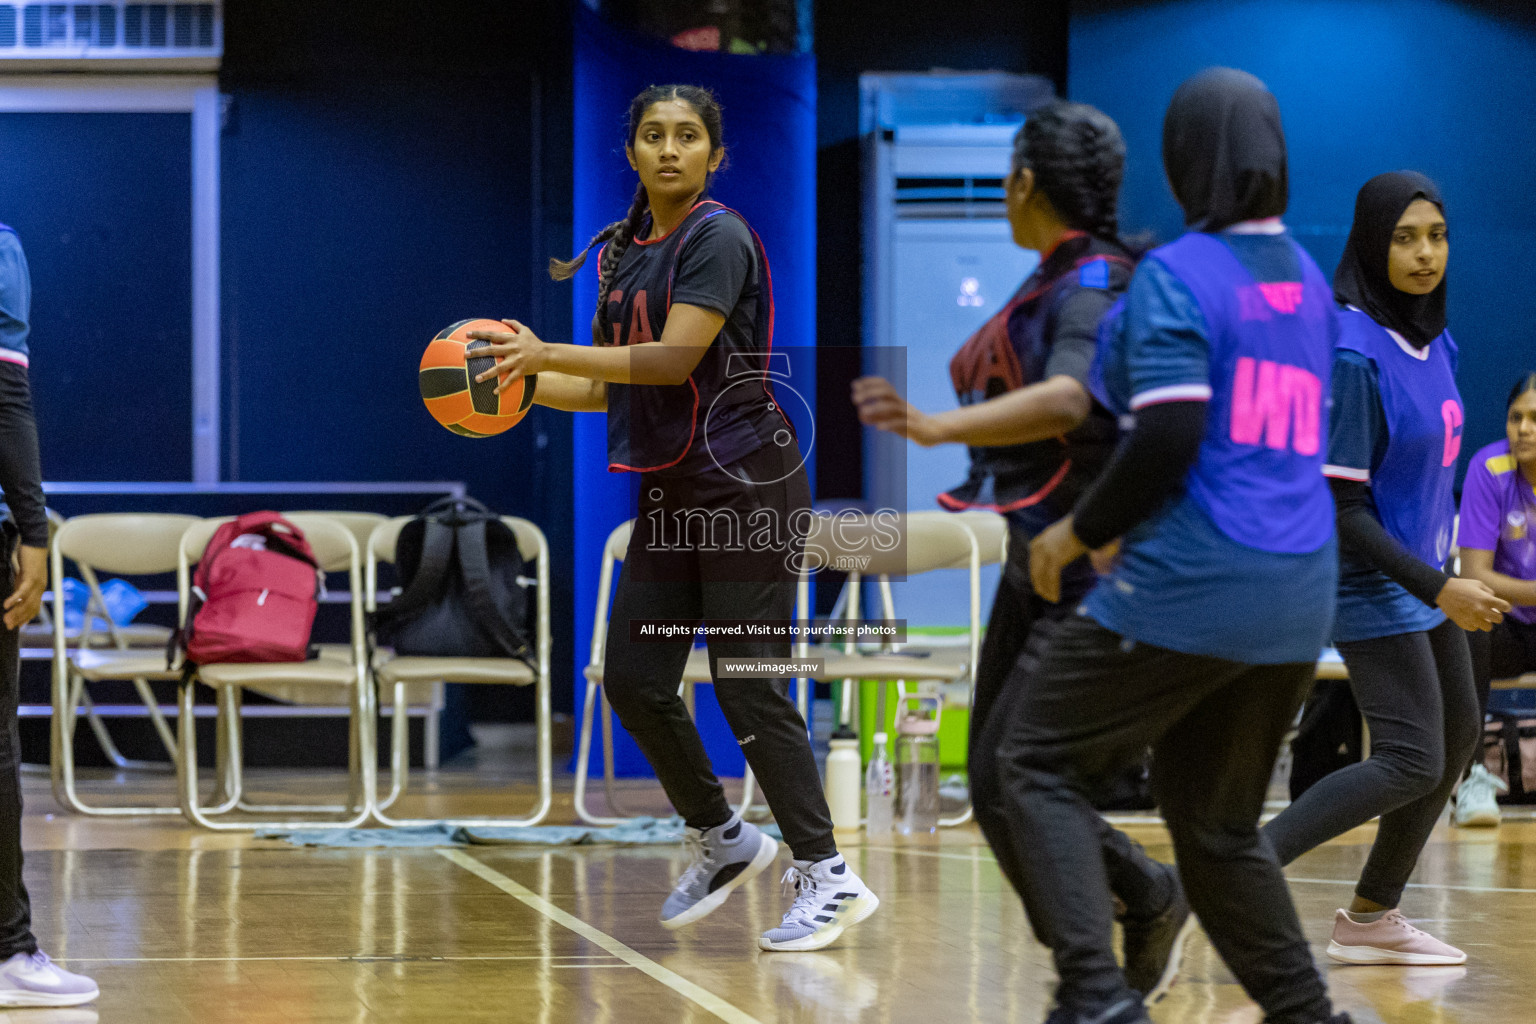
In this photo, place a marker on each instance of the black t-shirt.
(725, 410)
(1048, 328)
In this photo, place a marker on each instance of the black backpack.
(462, 581)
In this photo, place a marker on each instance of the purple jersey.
(1411, 480)
(1259, 472)
(1498, 514)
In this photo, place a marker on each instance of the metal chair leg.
(748, 785)
(226, 758)
(187, 774)
(104, 738)
(400, 769)
(584, 756)
(610, 777)
(232, 704)
(399, 751)
(62, 759)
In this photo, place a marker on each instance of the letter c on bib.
(1450, 412)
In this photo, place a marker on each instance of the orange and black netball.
(455, 399)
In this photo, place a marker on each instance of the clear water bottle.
(879, 791)
(917, 764)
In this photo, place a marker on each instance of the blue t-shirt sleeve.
(15, 295)
(1357, 423)
(1166, 339)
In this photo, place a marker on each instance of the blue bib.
(1259, 474)
(1413, 485)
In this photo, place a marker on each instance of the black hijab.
(1224, 151)
(1361, 279)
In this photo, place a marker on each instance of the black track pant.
(698, 553)
(1017, 632)
(1215, 727)
(1417, 695)
(15, 908)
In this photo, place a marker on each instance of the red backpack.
(254, 594)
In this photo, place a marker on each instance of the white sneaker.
(724, 857)
(829, 898)
(31, 979)
(1476, 801)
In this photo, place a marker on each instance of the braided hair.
(1078, 157)
(621, 233)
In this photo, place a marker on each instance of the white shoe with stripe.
(829, 898)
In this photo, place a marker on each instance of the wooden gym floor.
(179, 925)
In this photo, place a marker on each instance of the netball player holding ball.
(684, 286)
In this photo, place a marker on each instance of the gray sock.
(1365, 918)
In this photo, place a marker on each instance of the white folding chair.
(307, 693)
(345, 673)
(41, 630)
(991, 532)
(859, 544)
(399, 674)
(361, 525)
(132, 544)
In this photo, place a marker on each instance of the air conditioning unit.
(181, 35)
(939, 259)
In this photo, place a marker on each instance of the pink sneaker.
(1389, 940)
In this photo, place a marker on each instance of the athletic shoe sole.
(767, 850)
(1170, 973)
(23, 998)
(1479, 819)
(858, 908)
(1373, 955)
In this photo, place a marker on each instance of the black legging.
(719, 577)
(1018, 632)
(15, 908)
(1418, 698)
(1097, 701)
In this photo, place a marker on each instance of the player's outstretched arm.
(689, 332)
(570, 394)
(1039, 411)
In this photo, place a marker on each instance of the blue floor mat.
(636, 832)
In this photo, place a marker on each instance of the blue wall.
(382, 177)
(1364, 86)
(770, 136)
(102, 204)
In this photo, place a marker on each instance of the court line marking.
(982, 856)
(704, 998)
